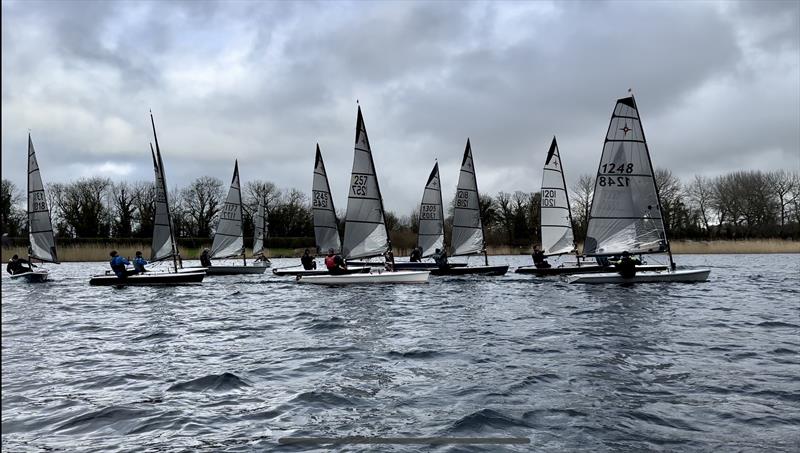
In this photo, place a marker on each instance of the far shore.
(94, 252)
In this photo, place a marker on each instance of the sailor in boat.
(416, 255)
(205, 260)
(16, 265)
(118, 264)
(335, 263)
(139, 263)
(440, 257)
(389, 261)
(308, 261)
(538, 258)
(626, 266)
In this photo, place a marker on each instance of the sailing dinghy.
(40, 227)
(229, 236)
(468, 237)
(365, 232)
(326, 230)
(558, 238)
(626, 211)
(164, 244)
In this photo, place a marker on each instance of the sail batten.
(326, 230)
(40, 226)
(431, 215)
(467, 226)
(626, 211)
(555, 214)
(365, 232)
(229, 236)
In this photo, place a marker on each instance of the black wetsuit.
(18, 266)
(308, 262)
(205, 261)
(539, 261)
(416, 256)
(627, 266)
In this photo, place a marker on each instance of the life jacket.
(330, 262)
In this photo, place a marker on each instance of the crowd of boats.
(625, 218)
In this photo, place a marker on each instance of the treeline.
(739, 205)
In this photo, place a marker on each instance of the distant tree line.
(738, 205)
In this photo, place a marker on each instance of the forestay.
(467, 227)
(40, 227)
(365, 232)
(163, 243)
(229, 236)
(260, 233)
(625, 213)
(431, 215)
(326, 230)
(556, 216)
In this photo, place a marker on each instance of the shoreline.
(97, 253)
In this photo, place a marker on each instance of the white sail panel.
(625, 213)
(556, 218)
(467, 227)
(260, 230)
(229, 236)
(365, 232)
(40, 227)
(431, 215)
(163, 244)
(326, 230)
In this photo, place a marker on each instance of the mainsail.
(467, 227)
(365, 232)
(431, 216)
(325, 229)
(626, 212)
(260, 233)
(556, 216)
(229, 237)
(40, 227)
(164, 245)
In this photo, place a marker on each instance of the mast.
(655, 186)
(166, 198)
(480, 215)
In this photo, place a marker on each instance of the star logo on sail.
(625, 129)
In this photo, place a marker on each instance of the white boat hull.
(229, 270)
(298, 270)
(678, 276)
(364, 279)
(39, 276)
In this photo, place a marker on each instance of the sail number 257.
(359, 186)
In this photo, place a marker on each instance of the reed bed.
(747, 246)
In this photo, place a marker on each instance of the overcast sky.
(717, 84)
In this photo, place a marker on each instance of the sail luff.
(229, 235)
(431, 215)
(161, 180)
(625, 214)
(556, 228)
(468, 236)
(365, 234)
(326, 230)
(40, 225)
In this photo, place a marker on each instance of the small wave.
(486, 418)
(324, 399)
(155, 335)
(662, 421)
(326, 324)
(415, 354)
(777, 324)
(215, 382)
(784, 351)
(92, 421)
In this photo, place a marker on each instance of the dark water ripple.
(239, 362)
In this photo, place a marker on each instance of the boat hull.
(472, 270)
(294, 271)
(230, 270)
(679, 276)
(422, 266)
(587, 269)
(149, 279)
(365, 279)
(31, 277)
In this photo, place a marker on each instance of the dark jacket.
(138, 264)
(307, 261)
(18, 266)
(205, 260)
(118, 264)
(627, 266)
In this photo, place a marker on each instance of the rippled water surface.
(239, 362)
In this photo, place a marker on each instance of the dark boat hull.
(588, 269)
(164, 279)
(468, 270)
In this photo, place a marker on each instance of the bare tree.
(581, 199)
(784, 185)
(201, 201)
(11, 218)
(144, 198)
(124, 209)
(701, 193)
(82, 205)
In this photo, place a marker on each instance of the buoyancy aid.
(330, 262)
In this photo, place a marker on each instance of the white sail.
(326, 230)
(625, 213)
(431, 215)
(467, 227)
(365, 232)
(260, 230)
(163, 242)
(40, 227)
(229, 236)
(556, 218)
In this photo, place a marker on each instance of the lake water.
(239, 362)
